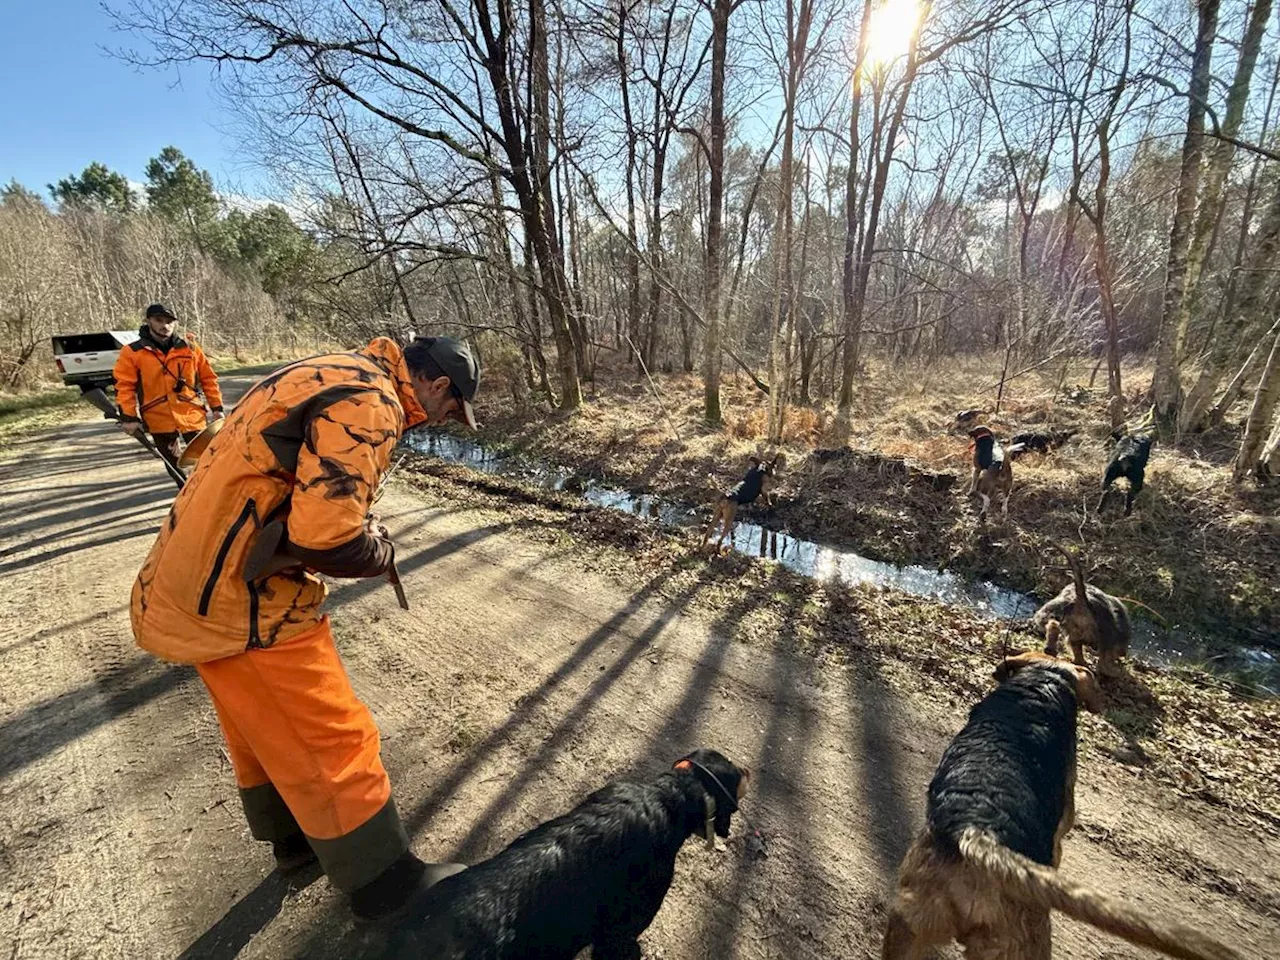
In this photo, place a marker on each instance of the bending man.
(306, 446)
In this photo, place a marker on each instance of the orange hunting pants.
(305, 753)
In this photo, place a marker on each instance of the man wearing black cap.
(158, 380)
(431, 359)
(307, 448)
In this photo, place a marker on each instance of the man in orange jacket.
(157, 379)
(306, 446)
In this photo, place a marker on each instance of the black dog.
(1129, 460)
(593, 877)
(984, 871)
(1040, 441)
(1011, 770)
(1004, 789)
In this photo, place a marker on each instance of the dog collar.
(708, 801)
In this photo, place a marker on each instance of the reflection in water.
(801, 556)
(1256, 666)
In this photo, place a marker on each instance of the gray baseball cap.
(456, 361)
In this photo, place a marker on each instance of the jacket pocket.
(249, 512)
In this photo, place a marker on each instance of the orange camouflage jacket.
(158, 385)
(308, 445)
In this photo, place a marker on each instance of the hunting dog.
(1089, 617)
(984, 870)
(992, 470)
(755, 483)
(1128, 460)
(593, 877)
(1039, 441)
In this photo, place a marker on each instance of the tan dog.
(992, 471)
(984, 872)
(755, 483)
(1089, 617)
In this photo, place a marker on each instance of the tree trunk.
(1269, 462)
(529, 173)
(1253, 285)
(652, 338)
(1166, 386)
(1245, 230)
(1196, 404)
(882, 163)
(784, 293)
(1102, 254)
(1243, 376)
(539, 207)
(1260, 415)
(633, 258)
(712, 271)
(852, 311)
(713, 278)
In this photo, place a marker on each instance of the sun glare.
(893, 26)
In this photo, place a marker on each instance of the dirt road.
(521, 679)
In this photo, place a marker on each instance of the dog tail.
(1016, 450)
(1077, 573)
(1041, 886)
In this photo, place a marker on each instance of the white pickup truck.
(85, 359)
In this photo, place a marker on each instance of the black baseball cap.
(455, 361)
(160, 310)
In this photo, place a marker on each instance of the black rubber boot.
(293, 853)
(394, 891)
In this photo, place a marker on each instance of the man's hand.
(376, 528)
(132, 427)
(217, 415)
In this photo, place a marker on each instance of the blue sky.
(66, 103)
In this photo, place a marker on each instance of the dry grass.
(1187, 730)
(1198, 549)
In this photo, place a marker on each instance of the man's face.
(162, 327)
(437, 399)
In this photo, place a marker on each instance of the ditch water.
(1257, 668)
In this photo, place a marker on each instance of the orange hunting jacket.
(158, 386)
(308, 445)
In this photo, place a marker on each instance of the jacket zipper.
(255, 638)
(250, 510)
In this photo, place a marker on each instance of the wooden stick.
(654, 388)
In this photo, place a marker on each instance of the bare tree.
(797, 23)
(1195, 406)
(713, 271)
(630, 137)
(407, 70)
(1261, 413)
(1096, 212)
(1166, 386)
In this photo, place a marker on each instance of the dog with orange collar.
(594, 877)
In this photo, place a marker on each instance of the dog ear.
(1088, 692)
(724, 820)
(1011, 664)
